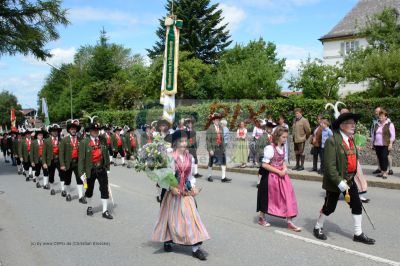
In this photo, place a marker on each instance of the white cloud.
(298, 52)
(233, 15)
(90, 14)
(60, 56)
(24, 87)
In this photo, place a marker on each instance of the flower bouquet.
(154, 160)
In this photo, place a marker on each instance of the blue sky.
(293, 25)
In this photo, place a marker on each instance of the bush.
(245, 110)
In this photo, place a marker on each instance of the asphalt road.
(39, 229)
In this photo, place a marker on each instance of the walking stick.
(369, 218)
(111, 196)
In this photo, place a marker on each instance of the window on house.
(347, 47)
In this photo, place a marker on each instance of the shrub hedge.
(244, 110)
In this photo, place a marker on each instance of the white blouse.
(269, 153)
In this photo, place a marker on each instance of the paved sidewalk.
(392, 182)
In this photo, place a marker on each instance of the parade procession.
(202, 151)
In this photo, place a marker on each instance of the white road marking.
(345, 250)
(113, 185)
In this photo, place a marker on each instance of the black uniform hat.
(177, 135)
(343, 117)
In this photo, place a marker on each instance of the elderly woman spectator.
(382, 139)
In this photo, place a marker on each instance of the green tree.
(26, 26)
(7, 102)
(316, 80)
(379, 63)
(251, 71)
(202, 34)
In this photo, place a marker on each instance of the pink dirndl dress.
(281, 197)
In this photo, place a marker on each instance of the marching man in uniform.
(216, 147)
(24, 153)
(118, 145)
(131, 145)
(51, 155)
(16, 144)
(37, 158)
(340, 168)
(106, 137)
(192, 145)
(69, 151)
(94, 162)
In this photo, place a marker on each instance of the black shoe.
(167, 247)
(46, 187)
(63, 193)
(24, 173)
(197, 175)
(7, 161)
(296, 168)
(52, 192)
(390, 172)
(19, 172)
(210, 179)
(34, 180)
(258, 185)
(83, 200)
(128, 166)
(115, 164)
(226, 180)
(89, 211)
(38, 185)
(319, 234)
(377, 171)
(123, 164)
(158, 199)
(31, 176)
(68, 198)
(27, 179)
(199, 254)
(364, 239)
(314, 170)
(301, 168)
(107, 215)
(365, 200)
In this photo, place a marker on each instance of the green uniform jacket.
(128, 147)
(85, 163)
(23, 150)
(211, 138)
(114, 142)
(335, 161)
(65, 155)
(14, 149)
(35, 158)
(103, 139)
(48, 151)
(193, 136)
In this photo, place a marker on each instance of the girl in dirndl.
(179, 221)
(276, 195)
(242, 146)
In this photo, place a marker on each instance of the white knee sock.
(209, 171)
(320, 221)
(123, 160)
(104, 201)
(62, 186)
(223, 168)
(195, 170)
(45, 180)
(357, 224)
(89, 202)
(67, 188)
(80, 190)
(111, 159)
(30, 170)
(259, 179)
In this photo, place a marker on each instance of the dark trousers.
(27, 164)
(332, 198)
(316, 153)
(299, 148)
(68, 173)
(120, 151)
(321, 158)
(55, 164)
(38, 168)
(193, 152)
(18, 161)
(219, 158)
(382, 153)
(100, 174)
(110, 151)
